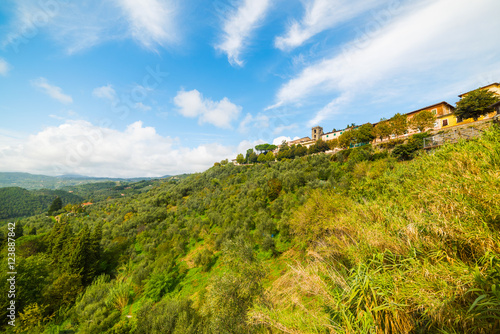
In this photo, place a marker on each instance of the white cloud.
(238, 27)
(83, 24)
(108, 93)
(4, 67)
(84, 148)
(151, 22)
(450, 46)
(192, 104)
(259, 121)
(321, 15)
(105, 92)
(141, 107)
(281, 128)
(332, 108)
(51, 90)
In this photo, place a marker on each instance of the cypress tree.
(19, 230)
(78, 258)
(61, 241)
(55, 206)
(95, 249)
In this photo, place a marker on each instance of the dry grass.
(401, 252)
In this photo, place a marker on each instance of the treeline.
(349, 242)
(402, 149)
(111, 189)
(18, 202)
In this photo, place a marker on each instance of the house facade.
(332, 135)
(299, 141)
(496, 107)
(494, 87)
(440, 110)
(452, 120)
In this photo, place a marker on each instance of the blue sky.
(153, 87)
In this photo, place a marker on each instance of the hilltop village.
(444, 118)
(444, 113)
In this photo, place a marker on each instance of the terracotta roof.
(298, 140)
(430, 107)
(492, 84)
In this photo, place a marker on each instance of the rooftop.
(493, 84)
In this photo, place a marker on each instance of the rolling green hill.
(32, 181)
(18, 202)
(356, 242)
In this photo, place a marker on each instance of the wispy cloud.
(279, 129)
(238, 28)
(321, 15)
(105, 92)
(382, 61)
(53, 91)
(251, 122)
(151, 22)
(332, 108)
(4, 67)
(219, 113)
(84, 24)
(142, 107)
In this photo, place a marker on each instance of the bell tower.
(316, 133)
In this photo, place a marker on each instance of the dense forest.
(18, 202)
(33, 181)
(360, 241)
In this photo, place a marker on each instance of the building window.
(434, 111)
(460, 119)
(445, 122)
(341, 133)
(326, 136)
(334, 134)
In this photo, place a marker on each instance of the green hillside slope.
(17, 202)
(351, 243)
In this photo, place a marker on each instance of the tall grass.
(415, 248)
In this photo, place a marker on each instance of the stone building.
(317, 132)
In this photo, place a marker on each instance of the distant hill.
(33, 181)
(18, 202)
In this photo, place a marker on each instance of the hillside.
(18, 202)
(33, 181)
(355, 242)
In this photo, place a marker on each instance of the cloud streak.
(238, 28)
(401, 48)
(105, 92)
(4, 67)
(321, 15)
(53, 91)
(84, 24)
(151, 22)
